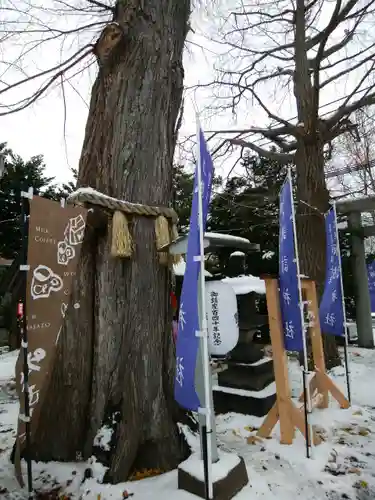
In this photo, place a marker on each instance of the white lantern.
(222, 316)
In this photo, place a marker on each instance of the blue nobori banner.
(331, 310)
(371, 283)
(288, 272)
(188, 323)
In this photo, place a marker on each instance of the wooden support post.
(320, 382)
(329, 385)
(314, 331)
(284, 410)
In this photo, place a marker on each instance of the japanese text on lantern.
(215, 318)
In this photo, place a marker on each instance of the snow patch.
(7, 365)
(103, 438)
(342, 225)
(192, 439)
(246, 284)
(343, 464)
(237, 254)
(262, 361)
(270, 390)
(194, 466)
(228, 237)
(98, 469)
(268, 255)
(180, 268)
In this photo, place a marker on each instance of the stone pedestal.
(247, 386)
(229, 476)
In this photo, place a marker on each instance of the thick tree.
(115, 359)
(298, 55)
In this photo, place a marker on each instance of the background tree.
(114, 362)
(70, 186)
(354, 157)
(248, 207)
(182, 185)
(19, 175)
(300, 54)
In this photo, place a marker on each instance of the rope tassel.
(162, 237)
(122, 243)
(174, 235)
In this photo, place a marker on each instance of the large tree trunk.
(312, 193)
(115, 359)
(313, 198)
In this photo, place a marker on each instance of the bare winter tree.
(115, 359)
(354, 172)
(356, 156)
(298, 56)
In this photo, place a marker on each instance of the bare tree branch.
(33, 98)
(264, 55)
(101, 5)
(348, 70)
(287, 129)
(74, 59)
(347, 109)
(280, 157)
(27, 27)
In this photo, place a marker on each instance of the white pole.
(203, 319)
(343, 307)
(309, 435)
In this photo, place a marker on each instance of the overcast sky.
(54, 126)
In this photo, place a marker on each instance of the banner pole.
(24, 337)
(305, 372)
(205, 445)
(207, 433)
(346, 342)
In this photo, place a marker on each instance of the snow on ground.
(342, 467)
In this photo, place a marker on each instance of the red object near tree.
(20, 309)
(174, 301)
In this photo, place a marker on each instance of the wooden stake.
(327, 383)
(284, 410)
(316, 336)
(320, 382)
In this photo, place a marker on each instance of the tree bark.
(312, 193)
(115, 360)
(313, 198)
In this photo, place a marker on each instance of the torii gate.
(353, 209)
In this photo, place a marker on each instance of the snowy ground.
(343, 467)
